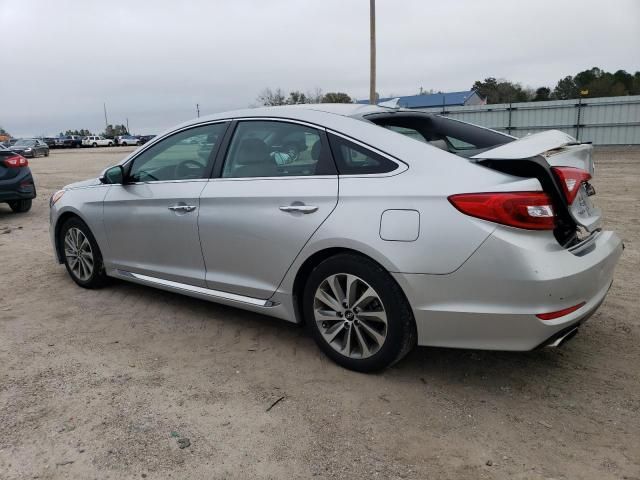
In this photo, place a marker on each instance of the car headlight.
(55, 197)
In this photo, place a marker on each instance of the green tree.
(565, 89)
(4, 132)
(542, 94)
(501, 91)
(112, 131)
(82, 132)
(336, 97)
(296, 97)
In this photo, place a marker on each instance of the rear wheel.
(358, 314)
(20, 206)
(95, 145)
(82, 256)
(46, 153)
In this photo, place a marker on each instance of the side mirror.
(113, 175)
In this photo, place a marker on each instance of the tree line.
(274, 97)
(590, 83)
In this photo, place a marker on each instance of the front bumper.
(492, 300)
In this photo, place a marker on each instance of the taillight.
(559, 313)
(16, 161)
(571, 178)
(528, 210)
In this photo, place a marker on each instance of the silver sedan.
(387, 228)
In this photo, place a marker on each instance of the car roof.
(301, 111)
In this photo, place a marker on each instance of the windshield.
(25, 143)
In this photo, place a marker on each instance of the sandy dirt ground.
(132, 382)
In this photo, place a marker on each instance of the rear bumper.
(21, 187)
(491, 301)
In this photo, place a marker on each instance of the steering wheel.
(188, 169)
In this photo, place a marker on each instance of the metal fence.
(603, 121)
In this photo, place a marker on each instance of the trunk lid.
(535, 155)
(558, 148)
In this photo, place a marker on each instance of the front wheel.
(357, 313)
(94, 145)
(82, 255)
(109, 144)
(20, 206)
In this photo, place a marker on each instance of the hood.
(84, 183)
(529, 146)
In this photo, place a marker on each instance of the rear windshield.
(456, 137)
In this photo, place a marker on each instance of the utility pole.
(372, 32)
(198, 109)
(128, 131)
(106, 122)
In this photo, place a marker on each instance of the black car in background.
(70, 141)
(145, 138)
(16, 182)
(50, 141)
(31, 147)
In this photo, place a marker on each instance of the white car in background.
(127, 140)
(96, 141)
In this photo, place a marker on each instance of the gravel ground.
(132, 382)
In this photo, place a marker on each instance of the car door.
(152, 219)
(264, 204)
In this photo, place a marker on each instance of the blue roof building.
(430, 100)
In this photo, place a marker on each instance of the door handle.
(299, 208)
(182, 208)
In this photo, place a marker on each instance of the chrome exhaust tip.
(563, 338)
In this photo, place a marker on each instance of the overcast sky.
(152, 61)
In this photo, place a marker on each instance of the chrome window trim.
(199, 290)
(155, 182)
(281, 119)
(281, 177)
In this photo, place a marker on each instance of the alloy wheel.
(350, 315)
(78, 252)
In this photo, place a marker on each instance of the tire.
(46, 153)
(362, 341)
(94, 145)
(109, 144)
(20, 206)
(87, 271)
(124, 144)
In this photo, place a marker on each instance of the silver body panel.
(470, 283)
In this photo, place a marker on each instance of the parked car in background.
(145, 138)
(30, 147)
(127, 140)
(69, 141)
(392, 227)
(16, 182)
(50, 141)
(9, 143)
(96, 141)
